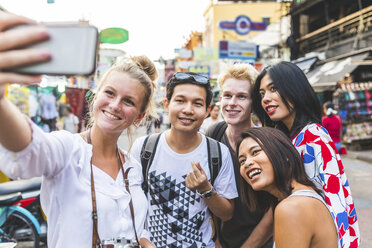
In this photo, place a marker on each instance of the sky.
(156, 27)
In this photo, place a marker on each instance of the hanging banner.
(75, 98)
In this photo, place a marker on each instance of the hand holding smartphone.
(73, 51)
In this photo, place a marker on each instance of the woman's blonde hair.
(238, 71)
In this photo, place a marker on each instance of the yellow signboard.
(201, 53)
(200, 69)
(19, 96)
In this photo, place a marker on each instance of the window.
(266, 20)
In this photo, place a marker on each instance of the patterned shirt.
(178, 217)
(323, 165)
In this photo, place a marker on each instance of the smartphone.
(73, 49)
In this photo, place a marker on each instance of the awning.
(325, 76)
(306, 64)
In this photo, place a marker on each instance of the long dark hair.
(287, 166)
(293, 88)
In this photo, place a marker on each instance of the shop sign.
(114, 35)
(202, 53)
(242, 25)
(184, 53)
(185, 64)
(203, 70)
(18, 95)
(238, 50)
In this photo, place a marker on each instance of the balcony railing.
(350, 26)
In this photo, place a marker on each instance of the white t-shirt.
(179, 217)
(70, 121)
(64, 161)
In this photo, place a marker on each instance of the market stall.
(355, 110)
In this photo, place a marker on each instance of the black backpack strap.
(147, 154)
(219, 130)
(214, 164)
(214, 158)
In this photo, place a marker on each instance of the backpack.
(149, 148)
(216, 131)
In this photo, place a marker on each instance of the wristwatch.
(207, 194)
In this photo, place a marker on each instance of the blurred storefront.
(45, 103)
(233, 33)
(334, 49)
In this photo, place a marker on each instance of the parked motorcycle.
(21, 216)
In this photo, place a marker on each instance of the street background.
(333, 47)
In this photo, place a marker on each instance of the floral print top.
(323, 165)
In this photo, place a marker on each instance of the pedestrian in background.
(91, 190)
(283, 98)
(49, 113)
(213, 118)
(272, 170)
(246, 228)
(148, 124)
(70, 121)
(158, 122)
(333, 123)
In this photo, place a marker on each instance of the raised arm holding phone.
(91, 190)
(17, 134)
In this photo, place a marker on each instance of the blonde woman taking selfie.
(91, 190)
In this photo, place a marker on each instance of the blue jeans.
(338, 146)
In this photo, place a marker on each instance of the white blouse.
(63, 159)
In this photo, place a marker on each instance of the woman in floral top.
(283, 98)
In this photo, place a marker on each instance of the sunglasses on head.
(197, 78)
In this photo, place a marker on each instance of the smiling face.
(255, 166)
(187, 107)
(273, 103)
(236, 102)
(118, 103)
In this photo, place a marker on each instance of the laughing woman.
(91, 190)
(283, 98)
(270, 164)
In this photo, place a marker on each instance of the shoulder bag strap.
(218, 130)
(147, 155)
(214, 164)
(214, 158)
(221, 128)
(96, 242)
(126, 181)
